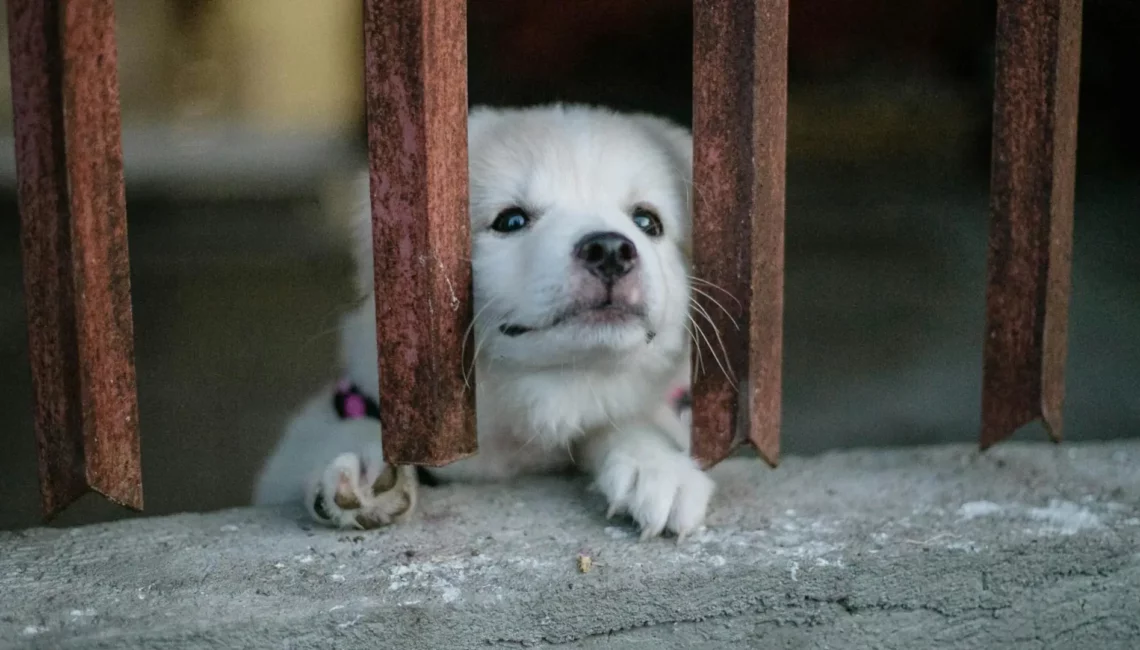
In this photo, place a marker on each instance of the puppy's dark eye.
(648, 221)
(512, 219)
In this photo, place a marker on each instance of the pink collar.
(681, 398)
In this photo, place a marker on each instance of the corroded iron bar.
(416, 88)
(74, 237)
(1031, 221)
(739, 128)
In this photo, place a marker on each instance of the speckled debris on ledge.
(1029, 546)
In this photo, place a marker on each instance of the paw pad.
(352, 493)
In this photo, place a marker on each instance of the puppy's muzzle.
(606, 255)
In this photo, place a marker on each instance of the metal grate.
(76, 269)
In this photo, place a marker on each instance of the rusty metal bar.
(769, 146)
(416, 86)
(1031, 222)
(74, 237)
(739, 127)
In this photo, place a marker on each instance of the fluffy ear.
(677, 141)
(675, 138)
(479, 120)
(349, 207)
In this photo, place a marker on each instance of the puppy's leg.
(643, 469)
(336, 468)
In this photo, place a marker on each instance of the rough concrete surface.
(1025, 546)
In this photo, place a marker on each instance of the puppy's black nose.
(607, 255)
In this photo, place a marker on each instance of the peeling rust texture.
(739, 126)
(1031, 205)
(74, 239)
(416, 82)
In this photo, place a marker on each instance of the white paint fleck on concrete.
(447, 591)
(438, 576)
(527, 563)
(807, 550)
(348, 624)
(1065, 517)
(794, 571)
(33, 630)
(975, 509)
(968, 547)
(142, 591)
(617, 533)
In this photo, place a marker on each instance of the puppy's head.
(580, 226)
(580, 229)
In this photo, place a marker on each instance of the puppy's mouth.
(604, 313)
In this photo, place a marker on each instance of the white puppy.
(580, 228)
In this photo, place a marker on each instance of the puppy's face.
(580, 223)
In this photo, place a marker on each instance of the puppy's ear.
(349, 207)
(479, 120)
(676, 139)
(677, 142)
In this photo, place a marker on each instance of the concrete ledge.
(1026, 546)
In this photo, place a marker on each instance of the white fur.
(564, 394)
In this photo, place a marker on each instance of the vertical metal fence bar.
(739, 127)
(769, 147)
(416, 87)
(1031, 203)
(74, 240)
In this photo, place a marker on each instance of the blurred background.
(242, 118)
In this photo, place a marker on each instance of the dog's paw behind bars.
(354, 492)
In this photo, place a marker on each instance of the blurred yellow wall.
(273, 64)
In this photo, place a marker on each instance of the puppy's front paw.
(353, 492)
(660, 490)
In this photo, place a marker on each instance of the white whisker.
(727, 358)
(731, 319)
(699, 366)
(478, 344)
(713, 285)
